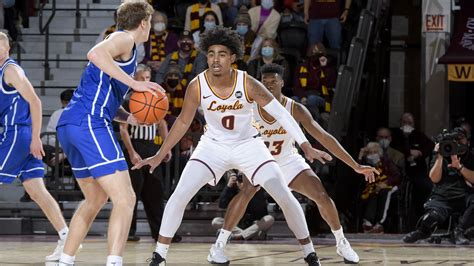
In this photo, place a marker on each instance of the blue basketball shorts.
(15, 158)
(91, 148)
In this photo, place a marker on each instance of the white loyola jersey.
(228, 117)
(277, 139)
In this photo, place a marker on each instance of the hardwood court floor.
(26, 250)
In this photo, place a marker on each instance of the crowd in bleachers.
(306, 40)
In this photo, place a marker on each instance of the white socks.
(63, 233)
(66, 259)
(114, 260)
(223, 236)
(308, 249)
(339, 235)
(162, 249)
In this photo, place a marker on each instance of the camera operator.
(256, 220)
(452, 165)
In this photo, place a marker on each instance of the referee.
(142, 142)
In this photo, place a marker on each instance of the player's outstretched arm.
(264, 98)
(15, 77)
(179, 128)
(118, 46)
(302, 115)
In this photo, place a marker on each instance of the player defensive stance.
(86, 134)
(297, 173)
(21, 149)
(231, 141)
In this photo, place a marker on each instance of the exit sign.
(436, 23)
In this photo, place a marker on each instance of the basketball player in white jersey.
(297, 173)
(226, 95)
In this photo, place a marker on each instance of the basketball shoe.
(156, 260)
(345, 250)
(312, 259)
(216, 254)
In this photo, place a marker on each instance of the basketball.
(147, 108)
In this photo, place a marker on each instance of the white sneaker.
(345, 250)
(216, 254)
(57, 252)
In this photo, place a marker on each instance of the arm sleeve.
(275, 109)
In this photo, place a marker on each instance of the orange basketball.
(147, 108)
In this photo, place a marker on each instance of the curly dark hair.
(272, 69)
(222, 36)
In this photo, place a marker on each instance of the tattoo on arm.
(259, 93)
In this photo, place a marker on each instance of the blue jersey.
(14, 109)
(98, 95)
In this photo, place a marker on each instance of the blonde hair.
(131, 13)
(143, 67)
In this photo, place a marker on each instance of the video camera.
(449, 142)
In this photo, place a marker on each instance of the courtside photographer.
(452, 174)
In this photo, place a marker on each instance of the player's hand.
(132, 120)
(343, 16)
(168, 157)
(148, 86)
(368, 171)
(36, 148)
(135, 157)
(312, 153)
(153, 162)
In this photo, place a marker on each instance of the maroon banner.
(461, 50)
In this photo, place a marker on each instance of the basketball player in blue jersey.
(226, 96)
(21, 150)
(86, 135)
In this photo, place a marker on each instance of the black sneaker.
(156, 260)
(312, 259)
(414, 236)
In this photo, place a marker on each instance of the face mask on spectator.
(267, 51)
(373, 159)
(172, 83)
(209, 25)
(384, 143)
(267, 4)
(159, 27)
(242, 29)
(407, 129)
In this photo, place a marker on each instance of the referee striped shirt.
(143, 132)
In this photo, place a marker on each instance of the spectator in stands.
(208, 22)
(315, 82)
(449, 195)
(190, 61)
(174, 89)
(377, 195)
(160, 43)
(196, 11)
(416, 147)
(384, 138)
(292, 12)
(143, 142)
(265, 20)
(243, 28)
(228, 10)
(269, 52)
(324, 18)
(256, 221)
(50, 141)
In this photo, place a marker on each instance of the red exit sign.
(435, 22)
